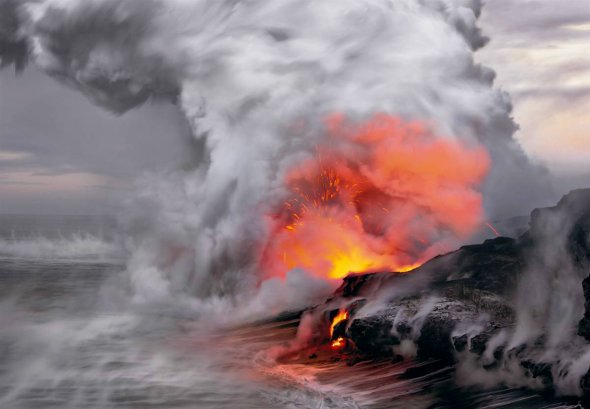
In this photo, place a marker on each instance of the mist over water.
(67, 341)
(59, 238)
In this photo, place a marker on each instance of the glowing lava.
(338, 342)
(381, 195)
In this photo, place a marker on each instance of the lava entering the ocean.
(338, 342)
(380, 195)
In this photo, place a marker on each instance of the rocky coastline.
(471, 308)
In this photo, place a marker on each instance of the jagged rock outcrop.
(456, 303)
(494, 266)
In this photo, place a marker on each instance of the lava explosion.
(380, 195)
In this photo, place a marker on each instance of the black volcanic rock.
(430, 331)
(492, 266)
(372, 336)
(435, 338)
(457, 302)
(353, 284)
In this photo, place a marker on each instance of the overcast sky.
(540, 51)
(61, 154)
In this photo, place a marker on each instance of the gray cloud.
(14, 49)
(539, 50)
(519, 22)
(538, 26)
(50, 130)
(18, 182)
(565, 94)
(61, 132)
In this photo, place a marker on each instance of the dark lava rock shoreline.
(466, 302)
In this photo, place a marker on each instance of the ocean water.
(69, 339)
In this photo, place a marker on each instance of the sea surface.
(70, 339)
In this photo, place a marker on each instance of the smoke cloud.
(255, 80)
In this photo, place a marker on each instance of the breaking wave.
(78, 247)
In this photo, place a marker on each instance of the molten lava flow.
(341, 316)
(381, 195)
(338, 342)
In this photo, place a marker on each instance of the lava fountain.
(384, 194)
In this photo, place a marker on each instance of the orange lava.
(384, 195)
(341, 316)
(338, 343)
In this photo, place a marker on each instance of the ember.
(382, 195)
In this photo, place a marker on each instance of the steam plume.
(255, 80)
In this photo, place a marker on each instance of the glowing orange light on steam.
(384, 195)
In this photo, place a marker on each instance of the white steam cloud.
(244, 72)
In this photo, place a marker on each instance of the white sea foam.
(75, 247)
